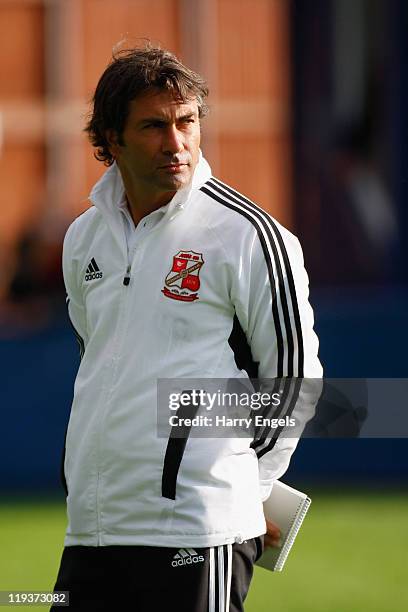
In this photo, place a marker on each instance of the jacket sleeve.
(75, 304)
(272, 306)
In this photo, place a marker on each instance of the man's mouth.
(173, 168)
(175, 165)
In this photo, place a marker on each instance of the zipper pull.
(126, 280)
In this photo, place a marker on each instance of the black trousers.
(146, 578)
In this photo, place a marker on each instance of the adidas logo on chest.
(92, 272)
(186, 556)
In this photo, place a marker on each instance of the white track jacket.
(242, 299)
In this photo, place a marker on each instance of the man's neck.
(142, 205)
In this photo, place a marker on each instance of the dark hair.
(131, 73)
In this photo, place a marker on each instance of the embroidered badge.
(183, 280)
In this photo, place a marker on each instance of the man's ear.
(113, 141)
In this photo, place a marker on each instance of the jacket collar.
(108, 192)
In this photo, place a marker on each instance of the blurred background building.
(307, 118)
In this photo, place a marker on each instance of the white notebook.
(286, 507)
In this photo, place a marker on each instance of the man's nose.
(172, 140)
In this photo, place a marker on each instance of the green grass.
(351, 555)
(31, 542)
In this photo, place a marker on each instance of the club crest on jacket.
(183, 281)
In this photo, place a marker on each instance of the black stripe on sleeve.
(233, 196)
(268, 223)
(275, 313)
(290, 401)
(280, 386)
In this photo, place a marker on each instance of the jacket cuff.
(265, 488)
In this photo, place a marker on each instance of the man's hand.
(273, 534)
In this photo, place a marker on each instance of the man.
(170, 274)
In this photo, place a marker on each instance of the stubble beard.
(175, 182)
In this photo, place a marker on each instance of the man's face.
(160, 144)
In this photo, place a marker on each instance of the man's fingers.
(273, 542)
(273, 535)
(272, 530)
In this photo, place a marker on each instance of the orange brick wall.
(52, 54)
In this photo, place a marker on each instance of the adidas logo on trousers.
(186, 557)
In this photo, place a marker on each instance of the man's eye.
(154, 124)
(186, 123)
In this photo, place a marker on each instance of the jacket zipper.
(107, 401)
(126, 279)
(119, 336)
